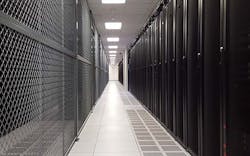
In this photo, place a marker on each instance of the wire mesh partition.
(44, 86)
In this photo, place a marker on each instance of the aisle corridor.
(120, 126)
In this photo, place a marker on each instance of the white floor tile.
(115, 146)
(86, 147)
(108, 131)
(81, 154)
(117, 154)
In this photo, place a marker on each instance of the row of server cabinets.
(120, 76)
(52, 70)
(191, 69)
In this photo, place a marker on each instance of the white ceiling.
(133, 15)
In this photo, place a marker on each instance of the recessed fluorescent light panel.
(113, 1)
(113, 39)
(113, 51)
(113, 25)
(113, 47)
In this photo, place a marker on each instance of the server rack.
(192, 53)
(180, 71)
(235, 86)
(171, 67)
(144, 68)
(184, 69)
(156, 67)
(147, 68)
(163, 67)
(209, 106)
(204, 71)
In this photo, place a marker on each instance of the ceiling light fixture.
(113, 25)
(113, 39)
(113, 47)
(113, 51)
(113, 1)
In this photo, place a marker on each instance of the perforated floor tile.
(150, 148)
(153, 154)
(166, 142)
(152, 138)
(176, 154)
(171, 148)
(147, 143)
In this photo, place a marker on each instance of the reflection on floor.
(120, 126)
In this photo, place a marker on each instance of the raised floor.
(120, 126)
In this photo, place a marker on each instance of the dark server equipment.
(121, 72)
(153, 66)
(163, 66)
(235, 82)
(209, 104)
(193, 84)
(156, 65)
(180, 69)
(170, 66)
(196, 74)
(147, 70)
(47, 72)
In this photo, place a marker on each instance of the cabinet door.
(209, 105)
(192, 74)
(179, 67)
(170, 73)
(238, 73)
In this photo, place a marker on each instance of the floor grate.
(152, 138)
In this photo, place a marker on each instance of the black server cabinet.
(150, 74)
(143, 68)
(147, 47)
(163, 66)
(209, 106)
(191, 49)
(178, 48)
(121, 72)
(157, 68)
(152, 55)
(170, 66)
(150, 70)
(235, 55)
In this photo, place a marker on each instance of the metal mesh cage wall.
(92, 63)
(37, 79)
(39, 82)
(85, 31)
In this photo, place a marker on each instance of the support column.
(125, 69)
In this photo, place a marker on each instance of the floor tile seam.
(99, 128)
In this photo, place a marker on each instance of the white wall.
(113, 73)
